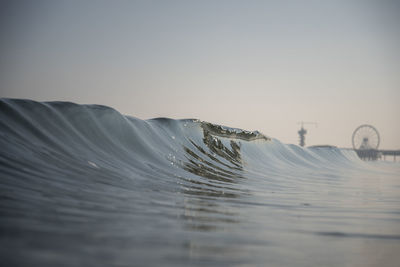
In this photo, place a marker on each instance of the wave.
(63, 133)
(87, 172)
(71, 139)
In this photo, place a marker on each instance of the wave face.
(83, 185)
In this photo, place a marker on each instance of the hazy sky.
(258, 65)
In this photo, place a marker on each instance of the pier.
(366, 140)
(376, 154)
(393, 153)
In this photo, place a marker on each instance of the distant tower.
(302, 133)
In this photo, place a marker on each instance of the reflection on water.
(219, 168)
(201, 167)
(216, 146)
(220, 164)
(206, 215)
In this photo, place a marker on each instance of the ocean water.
(83, 185)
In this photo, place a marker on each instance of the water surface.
(83, 185)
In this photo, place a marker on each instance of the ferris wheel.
(365, 137)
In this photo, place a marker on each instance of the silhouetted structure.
(302, 136)
(393, 153)
(366, 141)
(302, 132)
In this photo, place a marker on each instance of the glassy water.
(83, 185)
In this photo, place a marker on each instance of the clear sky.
(257, 65)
